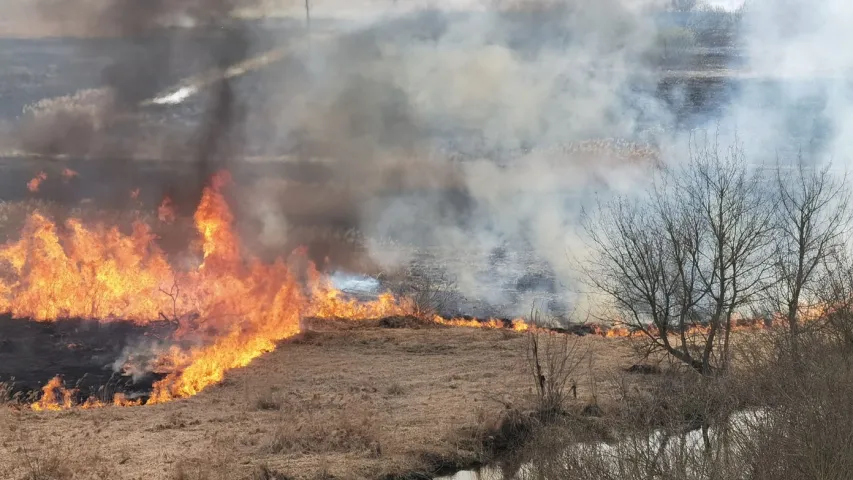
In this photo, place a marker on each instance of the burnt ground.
(82, 352)
(348, 401)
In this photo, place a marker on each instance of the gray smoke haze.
(468, 139)
(799, 99)
(474, 137)
(465, 135)
(108, 124)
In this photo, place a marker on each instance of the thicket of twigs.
(714, 241)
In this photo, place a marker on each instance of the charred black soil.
(81, 352)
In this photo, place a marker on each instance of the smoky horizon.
(407, 137)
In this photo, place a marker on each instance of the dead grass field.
(357, 403)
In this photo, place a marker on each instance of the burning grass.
(229, 309)
(369, 401)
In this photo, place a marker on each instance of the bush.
(553, 360)
(772, 417)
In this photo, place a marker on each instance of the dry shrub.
(809, 424)
(6, 395)
(783, 416)
(512, 430)
(344, 430)
(267, 401)
(67, 124)
(197, 470)
(263, 472)
(552, 361)
(430, 290)
(220, 464)
(395, 389)
(410, 322)
(45, 458)
(46, 468)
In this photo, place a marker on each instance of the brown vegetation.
(360, 403)
(770, 417)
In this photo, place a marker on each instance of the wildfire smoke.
(229, 308)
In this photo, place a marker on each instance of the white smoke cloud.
(395, 100)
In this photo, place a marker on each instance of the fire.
(78, 272)
(234, 307)
(517, 325)
(56, 397)
(50, 400)
(68, 174)
(213, 221)
(166, 211)
(34, 184)
(617, 331)
(520, 325)
(327, 302)
(230, 307)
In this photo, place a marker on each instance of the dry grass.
(774, 416)
(351, 404)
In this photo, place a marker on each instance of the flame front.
(54, 396)
(236, 308)
(231, 308)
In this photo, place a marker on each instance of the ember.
(68, 174)
(166, 211)
(34, 184)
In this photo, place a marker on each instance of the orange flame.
(50, 400)
(240, 306)
(234, 307)
(518, 325)
(34, 184)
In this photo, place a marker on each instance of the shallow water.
(485, 473)
(742, 421)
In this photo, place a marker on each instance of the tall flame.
(235, 308)
(231, 308)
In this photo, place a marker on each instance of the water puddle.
(485, 473)
(659, 441)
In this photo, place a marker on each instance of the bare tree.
(692, 252)
(811, 226)
(836, 292)
(736, 213)
(648, 270)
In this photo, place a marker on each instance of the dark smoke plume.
(116, 129)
